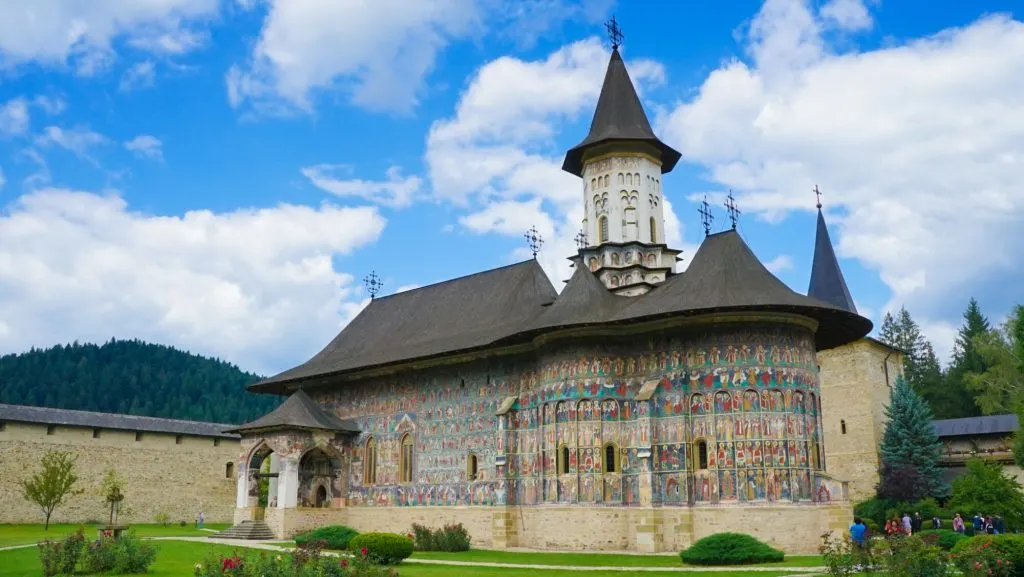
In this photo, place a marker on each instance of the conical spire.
(827, 282)
(619, 116)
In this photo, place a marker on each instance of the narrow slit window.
(603, 233)
(842, 425)
(654, 231)
(95, 433)
(370, 462)
(563, 467)
(229, 470)
(471, 470)
(702, 455)
(406, 460)
(610, 453)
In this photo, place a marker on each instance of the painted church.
(639, 408)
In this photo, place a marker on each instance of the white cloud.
(779, 263)
(51, 105)
(378, 51)
(847, 14)
(139, 75)
(918, 146)
(498, 158)
(79, 140)
(14, 117)
(146, 146)
(58, 32)
(396, 191)
(75, 265)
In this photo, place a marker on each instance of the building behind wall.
(174, 467)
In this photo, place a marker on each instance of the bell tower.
(622, 162)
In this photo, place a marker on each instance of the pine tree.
(910, 442)
(957, 399)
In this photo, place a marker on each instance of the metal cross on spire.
(614, 32)
(373, 284)
(730, 206)
(534, 240)
(817, 193)
(581, 240)
(705, 215)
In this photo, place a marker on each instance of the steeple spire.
(619, 117)
(827, 282)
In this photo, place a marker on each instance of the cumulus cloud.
(146, 146)
(51, 105)
(79, 140)
(14, 117)
(80, 34)
(396, 191)
(139, 75)
(918, 146)
(76, 265)
(497, 156)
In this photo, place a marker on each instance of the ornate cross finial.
(581, 240)
(730, 206)
(614, 32)
(705, 215)
(818, 194)
(533, 240)
(373, 284)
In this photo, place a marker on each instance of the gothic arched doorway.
(321, 496)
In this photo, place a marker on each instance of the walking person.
(908, 526)
(958, 524)
(202, 519)
(858, 535)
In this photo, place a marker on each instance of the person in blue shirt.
(858, 532)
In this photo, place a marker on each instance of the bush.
(913, 557)
(449, 538)
(334, 536)
(61, 558)
(307, 563)
(985, 550)
(730, 549)
(382, 548)
(842, 558)
(162, 519)
(126, 555)
(944, 538)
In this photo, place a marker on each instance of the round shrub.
(944, 538)
(382, 548)
(730, 549)
(334, 536)
(982, 547)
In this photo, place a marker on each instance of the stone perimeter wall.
(161, 476)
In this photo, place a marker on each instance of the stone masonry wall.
(161, 476)
(855, 391)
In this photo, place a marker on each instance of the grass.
(177, 559)
(590, 559)
(28, 534)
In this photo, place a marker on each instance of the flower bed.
(307, 561)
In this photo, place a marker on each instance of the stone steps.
(248, 530)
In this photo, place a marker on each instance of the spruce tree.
(910, 442)
(957, 399)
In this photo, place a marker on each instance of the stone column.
(649, 521)
(242, 488)
(504, 533)
(288, 484)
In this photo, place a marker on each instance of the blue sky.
(218, 175)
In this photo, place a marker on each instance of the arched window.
(370, 462)
(471, 467)
(602, 223)
(563, 460)
(654, 231)
(405, 466)
(229, 471)
(620, 178)
(815, 455)
(593, 183)
(702, 454)
(611, 464)
(842, 425)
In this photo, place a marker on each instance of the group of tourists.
(907, 525)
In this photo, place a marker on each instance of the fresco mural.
(733, 417)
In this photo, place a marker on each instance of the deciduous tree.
(986, 489)
(53, 485)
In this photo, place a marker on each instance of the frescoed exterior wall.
(727, 414)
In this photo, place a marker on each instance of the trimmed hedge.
(1011, 547)
(730, 549)
(333, 536)
(383, 548)
(945, 538)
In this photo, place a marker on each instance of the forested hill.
(132, 377)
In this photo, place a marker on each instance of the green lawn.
(177, 559)
(590, 559)
(26, 534)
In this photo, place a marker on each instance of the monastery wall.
(161, 474)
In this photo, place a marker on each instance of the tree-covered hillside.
(132, 377)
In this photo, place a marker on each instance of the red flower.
(364, 551)
(409, 535)
(343, 563)
(228, 564)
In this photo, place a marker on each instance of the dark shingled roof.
(827, 282)
(461, 314)
(969, 426)
(725, 275)
(619, 116)
(584, 300)
(91, 420)
(299, 412)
